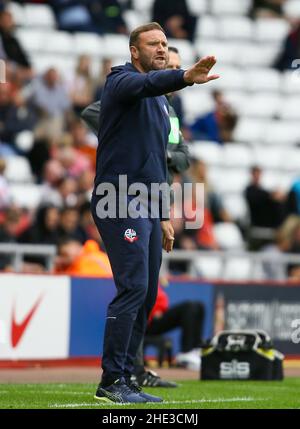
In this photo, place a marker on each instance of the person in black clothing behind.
(290, 51)
(12, 49)
(174, 16)
(266, 208)
(267, 9)
(44, 229)
(70, 225)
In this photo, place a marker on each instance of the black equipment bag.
(241, 355)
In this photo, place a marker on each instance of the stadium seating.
(289, 108)
(210, 152)
(115, 45)
(133, 19)
(40, 15)
(17, 12)
(235, 28)
(228, 180)
(196, 103)
(228, 236)
(18, 169)
(282, 133)
(230, 7)
(27, 196)
(261, 105)
(208, 266)
(187, 52)
(198, 7)
(292, 8)
(238, 268)
(59, 42)
(236, 206)
(237, 155)
(249, 130)
(291, 81)
(207, 27)
(263, 79)
(266, 101)
(33, 39)
(88, 44)
(270, 30)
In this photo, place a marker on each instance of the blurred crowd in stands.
(62, 151)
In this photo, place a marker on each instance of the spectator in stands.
(212, 205)
(290, 50)
(14, 222)
(266, 208)
(213, 200)
(38, 156)
(7, 235)
(188, 316)
(174, 16)
(86, 260)
(5, 197)
(106, 66)
(52, 177)
(10, 47)
(85, 186)
(267, 9)
(88, 225)
(51, 102)
(69, 225)
(62, 193)
(73, 161)
(107, 16)
(293, 199)
(68, 189)
(44, 229)
(14, 116)
(72, 15)
(273, 269)
(217, 125)
(80, 85)
(100, 16)
(83, 142)
(294, 268)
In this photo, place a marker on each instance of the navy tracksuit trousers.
(135, 262)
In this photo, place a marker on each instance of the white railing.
(17, 252)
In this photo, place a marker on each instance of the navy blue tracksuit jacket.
(133, 136)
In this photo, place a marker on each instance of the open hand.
(199, 72)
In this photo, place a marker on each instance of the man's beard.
(149, 65)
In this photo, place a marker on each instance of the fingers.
(208, 61)
(168, 243)
(213, 77)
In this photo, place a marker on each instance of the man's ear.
(134, 52)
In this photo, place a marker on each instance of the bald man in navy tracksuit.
(134, 127)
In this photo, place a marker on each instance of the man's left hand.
(168, 235)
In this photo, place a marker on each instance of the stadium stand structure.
(267, 101)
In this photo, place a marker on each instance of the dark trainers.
(149, 398)
(118, 392)
(151, 379)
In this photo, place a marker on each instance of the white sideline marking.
(55, 392)
(192, 401)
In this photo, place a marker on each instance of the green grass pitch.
(189, 395)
